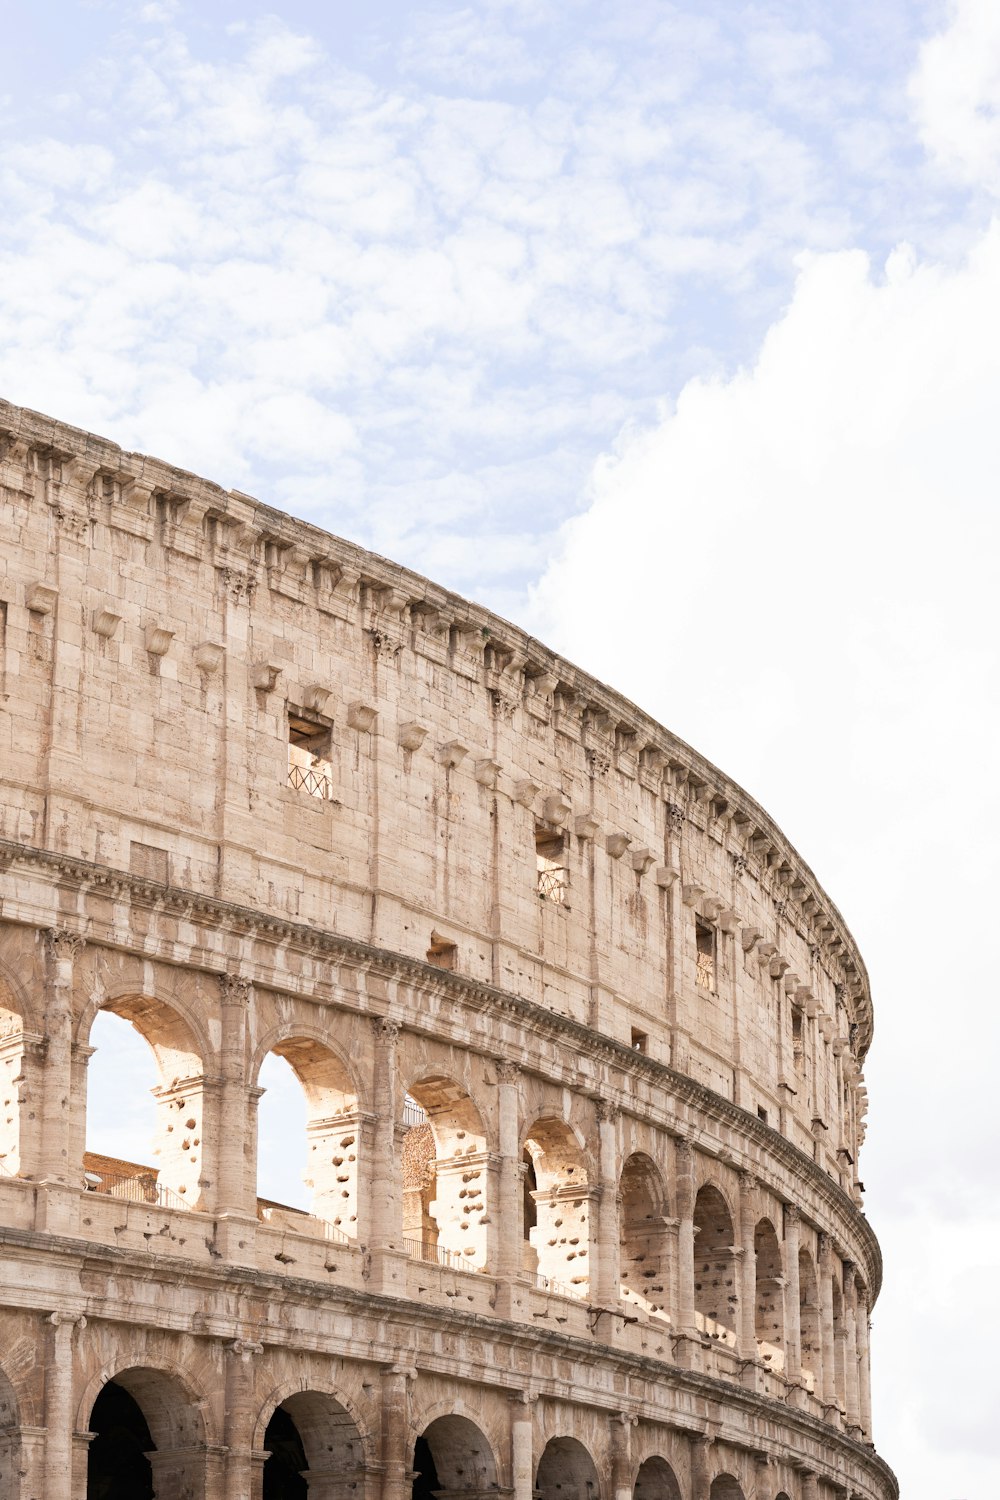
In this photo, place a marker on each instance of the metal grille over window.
(309, 768)
(553, 873)
(705, 974)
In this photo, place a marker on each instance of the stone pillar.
(851, 1403)
(241, 1462)
(864, 1367)
(605, 1278)
(621, 1455)
(397, 1482)
(522, 1462)
(236, 1187)
(809, 1487)
(56, 1200)
(684, 1177)
(505, 1215)
(747, 1268)
(700, 1476)
(59, 1405)
(793, 1328)
(826, 1381)
(385, 1180)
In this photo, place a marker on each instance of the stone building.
(580, 1038)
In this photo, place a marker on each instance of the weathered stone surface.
(584, 1128)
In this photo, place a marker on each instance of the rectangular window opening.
(442, 952)
(705, 939)
(798, 1046)
(640, 1041)
(550, 861)
(762, 1113)
(309, 768)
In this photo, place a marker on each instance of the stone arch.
(331, 1148)
(655, 1480)
(10, 1440)
(311, 1436)
(769, 1304)
(566, 1471)
(561, 1234)
(175, 1178)
(445, 1161)
(715, 1296)
(139, 1404)
(809, 1320)
(17, 1026)
(644, 1255)
(726, 1487)
(453, 1455)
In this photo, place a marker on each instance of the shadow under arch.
(310, 1435)
(444, 1162)
(331, 1149)
(453, 1455)
(180, 1126)
(560, 1236)
(149, 1436)
(566, 1471)
(726, 1487)
(644, 1247)
(714, 1265)
(656, 1480)
(18, 1027)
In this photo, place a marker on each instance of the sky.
(672, 332)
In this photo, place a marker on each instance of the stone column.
(684, 1176)
(384, 1180)
(59, 1405)
(605, 1279)
(851, 1403)
(397, 1482)
(809, 1487)
(522, 1463)
(621, 1455)
(793, 1328)
(700, 1478)
(826, 1387)
(864, 1367)
(56, 1201)
(747, 1267)
(235, 1193)
(505, 1214)
(242, 1466)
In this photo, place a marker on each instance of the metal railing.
(141, 1189)
(413, 1113)
(556, 1288)
(316, 781)
(553, 883)
(303, 1222)
(437, 1254)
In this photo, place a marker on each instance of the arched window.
(561, 1236)
(656, 1480)
(715, 1295)
(307, 1139)
(769, 1309)
(644, 1264)
(311, 1436)
(149, 1440)
(566, 1471)
(452, 1456)
(445, 1176)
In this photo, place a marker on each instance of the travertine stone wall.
(579, 1034)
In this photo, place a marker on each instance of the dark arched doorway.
(149, 1439)
(117, 1465)
(452, 1457)
(286, 1460)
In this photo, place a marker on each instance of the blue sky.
(668, 330)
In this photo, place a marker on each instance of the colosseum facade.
(579, 1034)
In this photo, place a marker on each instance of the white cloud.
(956, 94)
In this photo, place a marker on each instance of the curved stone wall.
(579, 1035)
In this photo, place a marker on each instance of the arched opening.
(561, 1235)
(656, 1480)
(308, 1130)
(453, 1456)
(725, 1487)
(143, 1047)
(714, 1290)
(566, 1471)
(148, 1440)
(11, 1080)
(644, 1263)
(313, 1447)
(529, 1214)
(10, 1442)
(445, 1180)
(769, 1307)
(809, 1320)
